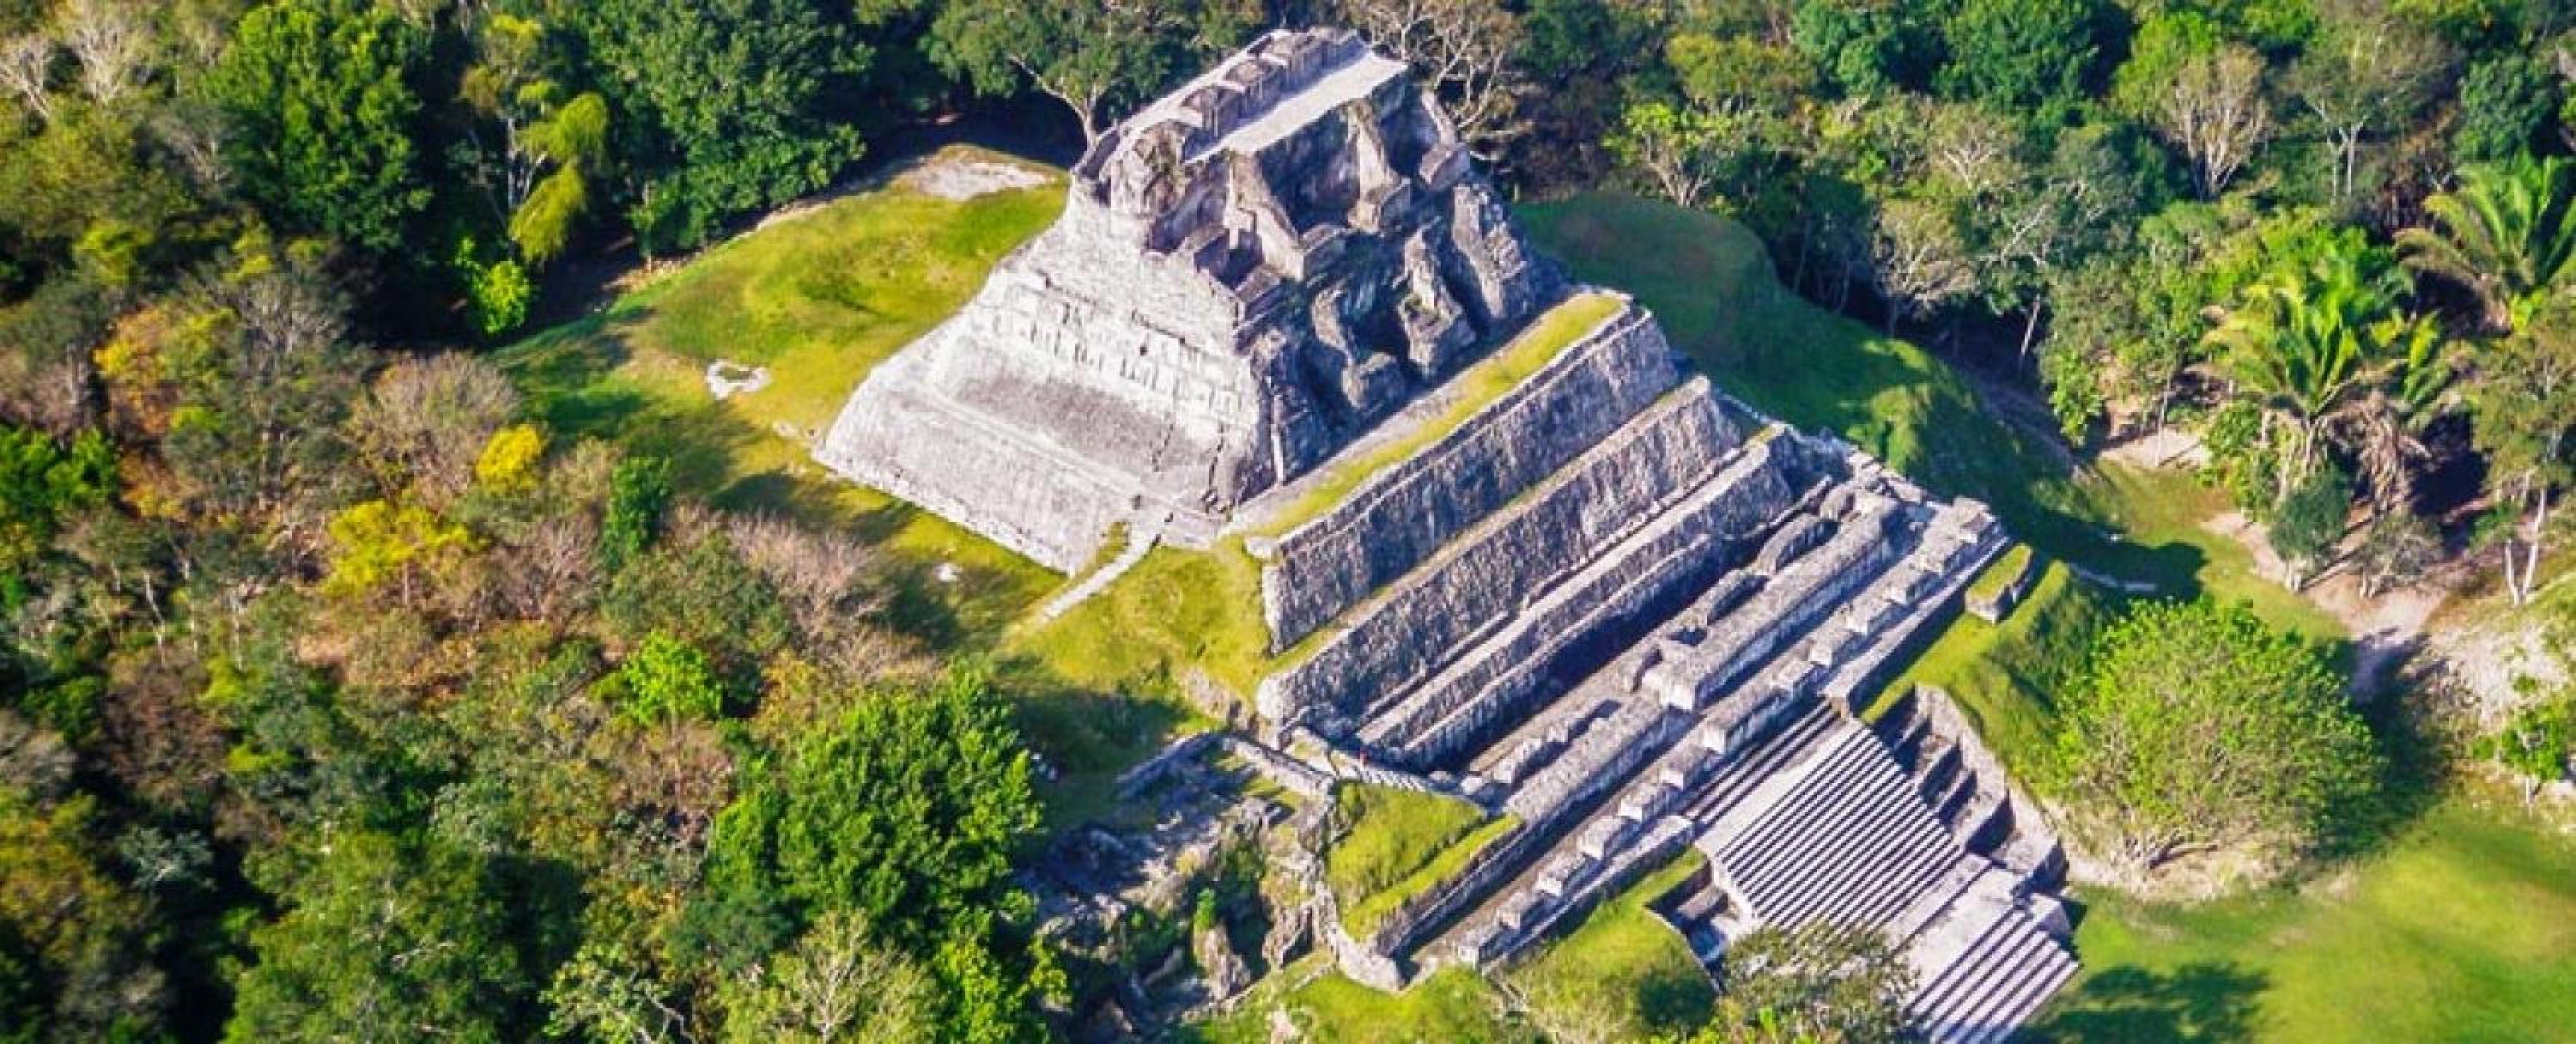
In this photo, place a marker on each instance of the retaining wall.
(1406, 513)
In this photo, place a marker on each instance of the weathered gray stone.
(1246, 273)
(1400, 516)
(1476, 586)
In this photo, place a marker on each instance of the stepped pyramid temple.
(1511, 551)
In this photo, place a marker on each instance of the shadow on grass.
(1086, 738)
(2199, 1003)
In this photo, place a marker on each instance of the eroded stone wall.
(1397, 519)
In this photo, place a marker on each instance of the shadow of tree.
(2199, 1003)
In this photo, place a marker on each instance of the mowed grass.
(2462, 929)
(1396, 843)
(1472, 389)
(1624, 969)
(2004, 675)
(1451, 1006)
(2168, 506)
(1176, 611)
(819, 297)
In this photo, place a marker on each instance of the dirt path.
(2387, 629)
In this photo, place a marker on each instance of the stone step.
(1140, 542)
(1615, 560)
(1506, 666)
(1583, 404)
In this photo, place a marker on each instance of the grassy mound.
(2002, 674)
(1397, 844)
(2463, 929)
(1453, 1004)
(2006, 570)
(819, 298)
(1623, 969)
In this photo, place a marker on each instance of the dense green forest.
(345, 697)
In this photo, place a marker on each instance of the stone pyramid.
(1606, 602)
(1247, 273)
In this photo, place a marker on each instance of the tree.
(375, 541)
(638, 493)
(1088, 54)
(2508, 231)
(1922, 261)
(665, 679)
(2368, 73)
(2396, 551)
(41, 483)
(425, 421)
(2031, 56)
(906, 812)
(2524, 402)
(2538, 743)
(836, 984)
(319, 92)
(726, 104)
(554, 143)
(2194, 727)
(2311, 338)
(76, 936)
(2505, 101)
(2414, 385)
(1812, 983)
(27, 70)
(2309, 522)
(1464, 49)
(1678, 149)
(382, 940)
(1867, 47)
(111, 41)
(2215, 112)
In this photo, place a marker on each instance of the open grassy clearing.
(1623, 969)
(1398, 843)
(819, 298)
(2169, 507)
(1474, 388)
(1452, 1006)
(2462, 929)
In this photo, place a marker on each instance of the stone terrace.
(1248, 274)
(1610, 601)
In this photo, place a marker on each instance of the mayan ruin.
(1611, 604)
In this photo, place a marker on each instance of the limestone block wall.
(1051, 506)
(1497, 678)
(1404, 514)
(1401, 636)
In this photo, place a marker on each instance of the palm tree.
(2507, 232)
(2309, 342)
(2413, 385)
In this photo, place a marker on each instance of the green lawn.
(2002, 674)
(819, 299)
(1396, 844)
(1452, 1006)
(2167, 507)
(2462, 929)
(1623, 968)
